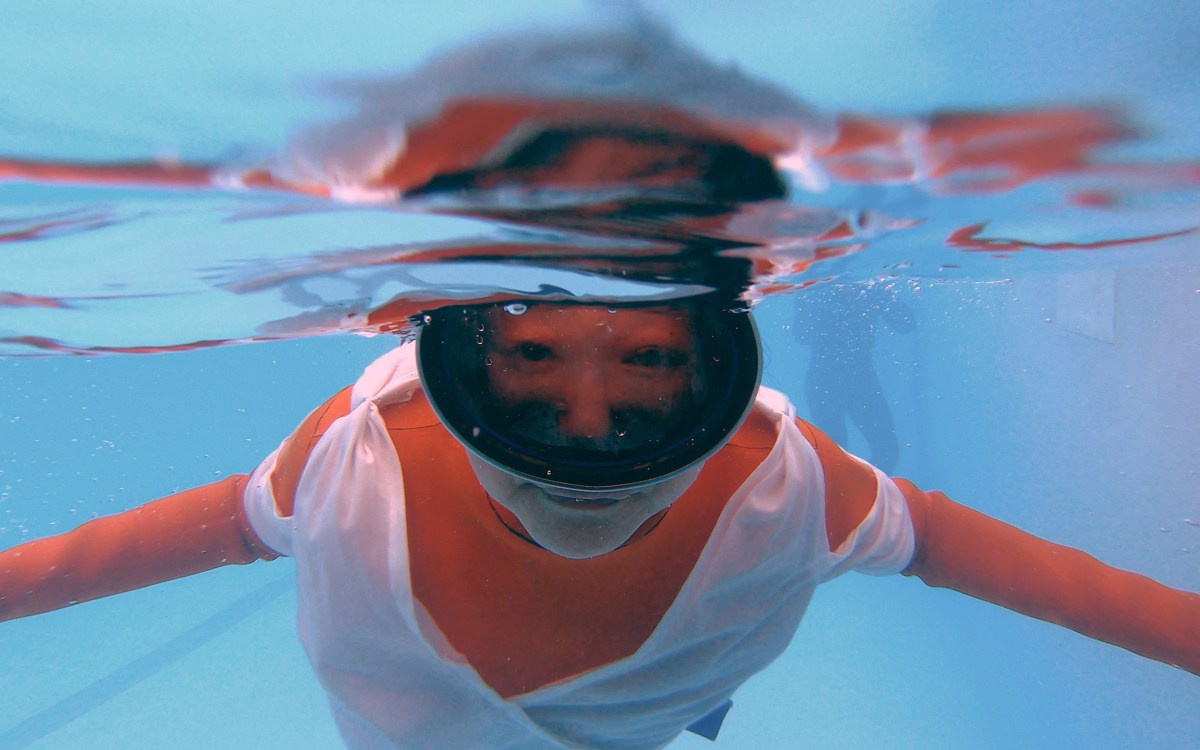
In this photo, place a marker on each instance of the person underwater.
(554, 524)
(562, 523)
(839, 324)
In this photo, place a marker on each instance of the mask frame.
(729, 343)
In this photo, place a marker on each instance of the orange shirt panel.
(524, 617)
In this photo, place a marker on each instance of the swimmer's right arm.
(179, 535)
(186, 533)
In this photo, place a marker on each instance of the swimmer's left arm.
(975, 554)
(176, 536)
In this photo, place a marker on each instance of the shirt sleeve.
(868, 524)
(884, 542)
(270, 493)
(275, 528)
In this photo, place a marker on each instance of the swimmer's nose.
(589, 418)
(584, 411)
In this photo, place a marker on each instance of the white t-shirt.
(394, 681)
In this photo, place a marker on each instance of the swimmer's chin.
(579, 528)
(574, 502)
(574, 529)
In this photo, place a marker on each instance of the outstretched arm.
(189, 532)
(964, 550)
(180, 535)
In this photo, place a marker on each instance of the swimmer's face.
(607, 379)
(593, 378)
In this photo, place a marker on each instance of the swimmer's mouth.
(583, 503)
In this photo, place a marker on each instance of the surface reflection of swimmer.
(839, 322)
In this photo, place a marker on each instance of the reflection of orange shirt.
(970, 151)
(967, 151)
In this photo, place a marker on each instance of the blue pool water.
(1056, 389)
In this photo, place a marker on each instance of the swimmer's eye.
(534, 352)
(655, 357)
